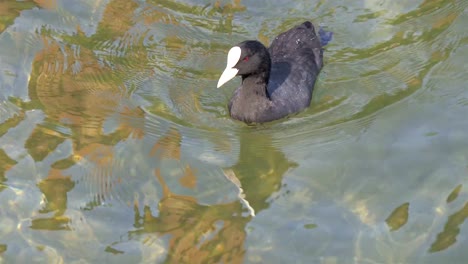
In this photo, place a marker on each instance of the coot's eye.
(246, 58)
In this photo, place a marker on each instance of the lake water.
(117, 147)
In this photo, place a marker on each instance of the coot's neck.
(255, 84)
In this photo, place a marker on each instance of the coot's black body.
(277, 81)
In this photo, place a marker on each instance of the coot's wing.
(296, 61)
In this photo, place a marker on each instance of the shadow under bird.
(276, 81)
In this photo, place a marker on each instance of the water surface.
(116, 146)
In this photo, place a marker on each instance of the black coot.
(277, 81)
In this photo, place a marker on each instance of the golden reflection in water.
(47, 4)
(11, 122)
(9, 10)
(398, 218)
(117, 18)
(454, 194)
(6, 163)
(198, 233)
(76, 91)
(78, 94)
(3, 248)
(55, 189)
(77, 101)
(189, 180)
(43, 141)
(448, 236)
(152, 15)
(228, 12)
(211, 234)
(188, 11)
(168, 146)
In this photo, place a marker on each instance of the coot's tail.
(325, 36)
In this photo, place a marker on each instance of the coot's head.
(248, 58)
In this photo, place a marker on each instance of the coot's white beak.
(230, 72)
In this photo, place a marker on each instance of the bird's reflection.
(200, 233)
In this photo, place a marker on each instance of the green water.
(117, 147)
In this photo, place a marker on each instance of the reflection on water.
(55, 192)
(7, 163)
(197, 233)
(448, 236)
(9, 10)
(454, 194)
(116, 146)
(260, 169)
(398, 217)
